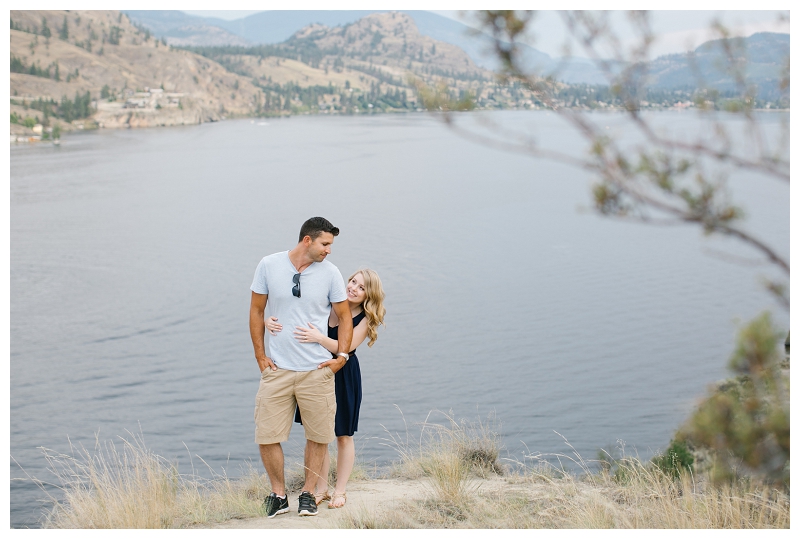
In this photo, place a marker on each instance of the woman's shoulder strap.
(358, 318)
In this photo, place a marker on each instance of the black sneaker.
(307, 504)
(273, 505)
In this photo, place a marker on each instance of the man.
(302, 287)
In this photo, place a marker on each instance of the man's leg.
(314, 456)
(316, 399)
(272, 458)
(322, 482)
(274, 411)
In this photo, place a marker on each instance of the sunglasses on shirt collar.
(296, 287)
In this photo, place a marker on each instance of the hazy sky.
(677, 31)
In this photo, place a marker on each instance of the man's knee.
(316, 446)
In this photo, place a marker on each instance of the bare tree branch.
(659, 181)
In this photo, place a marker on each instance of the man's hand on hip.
(264, 363)
(335, 364)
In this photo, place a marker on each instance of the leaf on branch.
(609, 200)
(441, 98)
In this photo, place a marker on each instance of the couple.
(298, 377)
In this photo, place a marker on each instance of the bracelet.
(344, 355)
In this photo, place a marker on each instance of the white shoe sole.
(279, 512)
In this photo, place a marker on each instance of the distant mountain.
(387, 39)
(676, 71)
(764, 57)
(181, 29)
(271, 27)
(162, 21)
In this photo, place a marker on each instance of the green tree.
(114, 35)
(17, 65)
(745, 420)
(45, 29)
(63, 34)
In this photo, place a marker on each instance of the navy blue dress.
(348, 389)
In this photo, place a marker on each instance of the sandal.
(335, 497)
(319, 498)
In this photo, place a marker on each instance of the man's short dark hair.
(316, 226)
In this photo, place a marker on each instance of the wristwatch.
(344, 355)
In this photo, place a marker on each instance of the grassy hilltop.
(454, 478)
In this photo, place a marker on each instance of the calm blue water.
(132, 254)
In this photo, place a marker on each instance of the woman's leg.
(344, 466)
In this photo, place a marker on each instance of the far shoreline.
(25, 139)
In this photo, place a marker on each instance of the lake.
(132, 253)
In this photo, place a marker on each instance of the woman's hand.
(309, 334)
(272, 325)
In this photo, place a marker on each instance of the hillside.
(84, 69)
(180, 29)
(762, 59)
(103, 54)
(368, 65)
(276, 26)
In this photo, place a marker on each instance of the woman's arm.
(312, 334)
(272, 325)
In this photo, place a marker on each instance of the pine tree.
(63, 34)
(45, 29)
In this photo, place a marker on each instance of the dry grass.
(638, 495)
(114, 488)
(449, 457)
(125, 485)
(130, 487)
(570, 503)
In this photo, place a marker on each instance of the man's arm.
(258, 304)
(342, 311)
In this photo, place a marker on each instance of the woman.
(365, 298)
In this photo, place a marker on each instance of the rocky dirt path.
(363, 497)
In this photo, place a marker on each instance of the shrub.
(745, 421)
(677, 459)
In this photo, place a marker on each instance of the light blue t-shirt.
(321, 284)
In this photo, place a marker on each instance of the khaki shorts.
(280, 391)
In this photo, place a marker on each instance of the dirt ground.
(363, 497)
(370, 495)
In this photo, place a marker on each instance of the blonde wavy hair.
(373, 303)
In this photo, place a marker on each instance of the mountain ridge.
(271, 27)
(115, 66)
